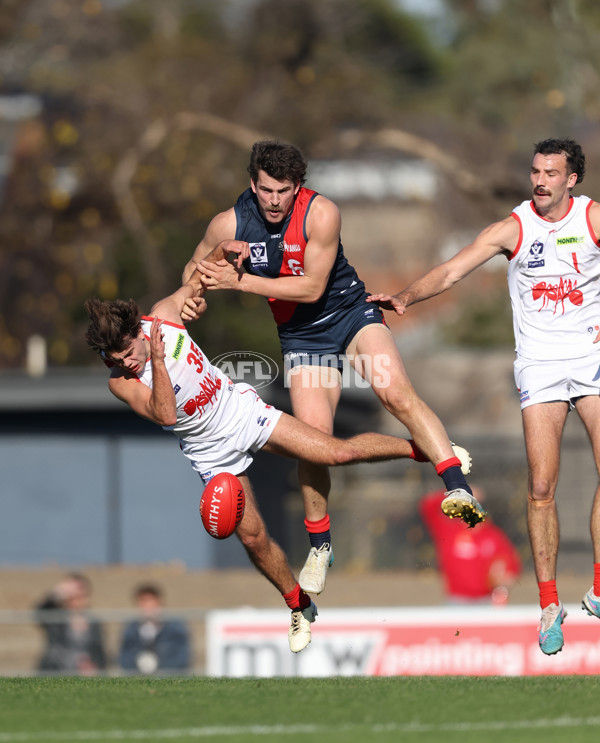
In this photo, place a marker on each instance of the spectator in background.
(151, 644)
(476, 564)
(74, 643)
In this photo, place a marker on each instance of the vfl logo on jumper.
(252, 368)
(557, 294)
(258, 254)
(535, 251)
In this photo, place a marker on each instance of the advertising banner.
(439, 641)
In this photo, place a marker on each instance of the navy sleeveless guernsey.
(278, 250)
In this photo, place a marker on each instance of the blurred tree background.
(126, 125)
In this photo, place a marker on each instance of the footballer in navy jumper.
(282, 241)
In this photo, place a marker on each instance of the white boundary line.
(225, 731)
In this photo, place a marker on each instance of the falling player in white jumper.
(160, 372)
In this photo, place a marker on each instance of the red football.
(222, 505)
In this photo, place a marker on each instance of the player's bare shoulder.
(502, 236)
(223, 225)
(324, 219)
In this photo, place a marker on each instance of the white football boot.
(464, 456)
(460, 503)
(299, 635)
(314, 573)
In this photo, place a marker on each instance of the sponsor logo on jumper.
(292, 248)
(178, 346)
(557, 294)
(176, 389)
(535, 251)
(570, 240)
(209, 388)
(255, 369)
(524, 396)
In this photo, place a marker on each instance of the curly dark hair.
(113, 325)
(567, 147)
(280, 161)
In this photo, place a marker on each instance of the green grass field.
(423, 709)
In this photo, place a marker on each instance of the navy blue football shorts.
(325, 343)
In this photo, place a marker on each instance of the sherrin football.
(222, 505)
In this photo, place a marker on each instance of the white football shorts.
(246, 428)
(553, 381)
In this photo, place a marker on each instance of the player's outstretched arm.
(500, 237)
(220, 230)
(187, 300)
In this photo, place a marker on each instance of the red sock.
(597, 579)
(548, 593)
(416, 453)
(446, 464)
(297, 599)
(317, 527)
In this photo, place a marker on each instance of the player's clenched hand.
(193, 308)
(219, 275)
(388, 302)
